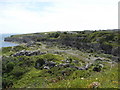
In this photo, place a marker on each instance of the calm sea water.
(6, 44)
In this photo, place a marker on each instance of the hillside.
(78, 59)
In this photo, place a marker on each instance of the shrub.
(19, 71)
(25, 61)
(6, 49)
(97, 68)
(18, 48)
(39, 63)
(10, 67)
(54, 35)
(6, 83)
(80, 74)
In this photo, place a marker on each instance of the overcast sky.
(30, 16)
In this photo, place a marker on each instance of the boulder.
(116, 59)
(116, 51)
(65, 65)
(28, 53)
(80, 68)
(87, 65)
(75, 61)
(46, 67)
(83, 67)
(98, 59)
(66, 61)
(50, 63)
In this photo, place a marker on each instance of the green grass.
(78, 79)
(107, 79)
(21, 70)
(29, 79)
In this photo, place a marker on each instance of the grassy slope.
(30, 77)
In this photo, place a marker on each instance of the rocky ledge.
(28, 53)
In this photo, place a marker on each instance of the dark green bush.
(6, 83)
(97, 68)
(54, 35)
(10, 66)
(18, 48)
(25, 61)
(6, 49)
(19, 71)
(39, 63)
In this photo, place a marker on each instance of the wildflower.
(96, 78)
(116, 82)
(94, 85)
(82, 78)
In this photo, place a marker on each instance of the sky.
(31, 16)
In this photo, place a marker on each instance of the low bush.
(19, 71)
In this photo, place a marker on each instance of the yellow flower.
(116, 82)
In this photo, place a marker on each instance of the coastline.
(5, 43)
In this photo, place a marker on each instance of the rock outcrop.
(28, 53)
(89, 41)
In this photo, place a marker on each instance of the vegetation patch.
(78, 59)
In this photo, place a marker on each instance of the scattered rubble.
(28, 53)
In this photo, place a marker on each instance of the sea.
(6, 44)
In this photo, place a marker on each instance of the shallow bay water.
(6, 44)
